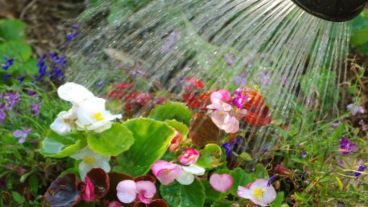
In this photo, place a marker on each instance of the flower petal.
(221, 182)
(74, 93)
(146, 191)
(244, 192)
(194, 169)
(126, 191)
(185, 178)
(166, 172)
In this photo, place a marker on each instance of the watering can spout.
(333, 10)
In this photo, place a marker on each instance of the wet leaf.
(63, 192)
(172, 110)
(184, 195)
(57, 146)
(203, 131)
(12, 29)
(111, 142)
(152, 139)
(100, 180)
(211, 156)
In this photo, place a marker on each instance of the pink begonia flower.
(129, 190)
(88, 192)
(115, 204)
(221, 182)
(166, 172)
(259, 192)
(220, 95)
(189, 156)
(223, 115)
(176, 142)
(224, 121)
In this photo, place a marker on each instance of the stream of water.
(267, 44)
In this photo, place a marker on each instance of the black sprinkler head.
(333, 10)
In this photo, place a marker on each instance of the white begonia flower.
(188, 173)
(88, 112)
(63, 124)
(92, 115)
(74, 93)
(90, 160)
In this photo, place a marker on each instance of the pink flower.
(190, 156)
(88, 192)
(166, 172)
(220, 95)
(259, 192)
(221, 182)
(224, 121)
(128, 191)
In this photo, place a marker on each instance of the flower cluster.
(87, 113)
(227, 111)
(167, 172)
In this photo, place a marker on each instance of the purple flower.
(229, 59)
(11, 100)
(230, 145)
(265, 78)
(8, 63)
(6, 77)
(42, 67)
(335, 125)
(35, 108)
(271, 180)
(347, 147)
(31, 92)
(170, 41)
(2, 116)
(58, 65)
(361, 168)
(239, 98)
(22, 134)
(240, 80)
(355, 109)
(71, 36)
(303, 154)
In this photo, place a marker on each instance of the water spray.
(333, 10)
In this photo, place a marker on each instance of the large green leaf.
(19, 50)
(184, 195)
(359, 32)
(57, 146)
(180, 127)
(152, 138)
(111, 142)
(12, 29)
(211, 156)
(172, 110)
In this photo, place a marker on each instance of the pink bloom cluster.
(129, 190)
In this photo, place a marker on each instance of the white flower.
(259, 192)
(88, 112)
(64, 122)
(91, 160)
(186, 177)
(74, 93)
(92, 115)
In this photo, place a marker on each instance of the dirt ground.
(47, 20)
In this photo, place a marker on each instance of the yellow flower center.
(258, 193)
(98, 116)
(89, 160)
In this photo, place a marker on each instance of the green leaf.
(278, 201)
(172, 110)
(19, 50)
(184, 195)
(211, 156)
(152, 138)
(179, 126)
(111, 142)
(57, 146)
(18, 198)
(12, 29)
(261, 171)
(359, 34)
(224, 203)
(241, 178)
(211, 194)
(25, 68)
